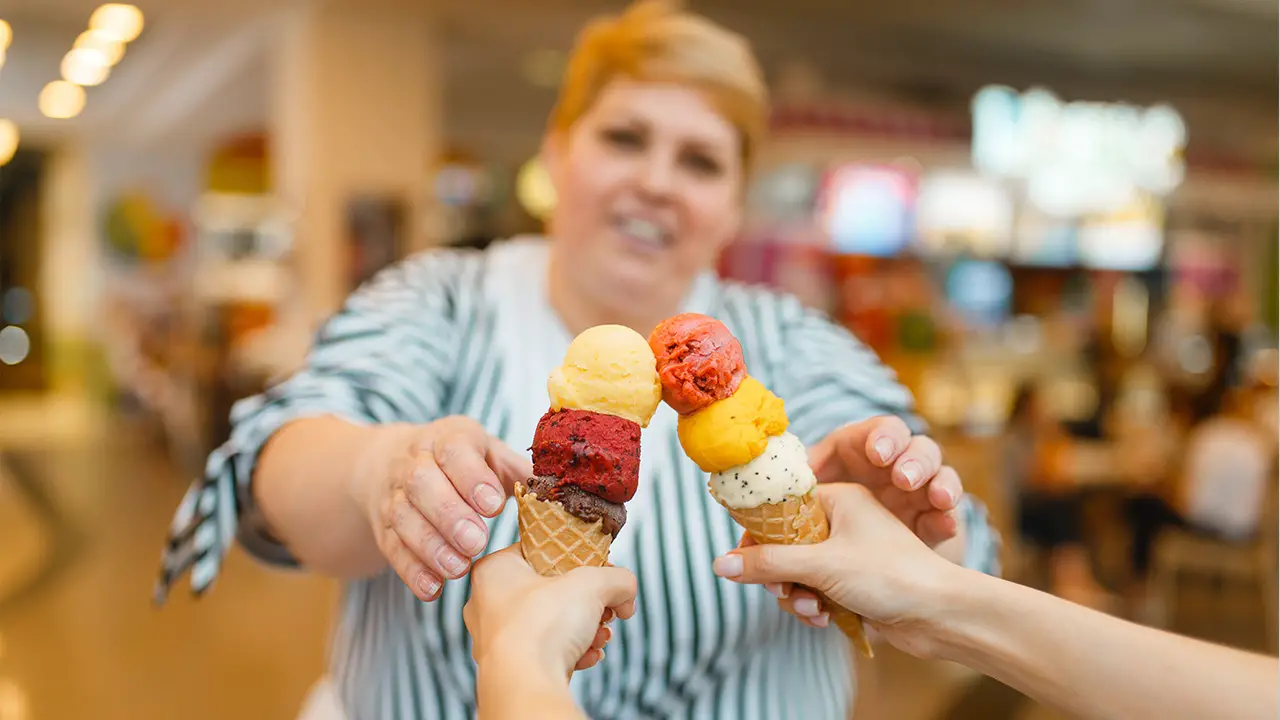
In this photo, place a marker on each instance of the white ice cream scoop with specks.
(781, 470)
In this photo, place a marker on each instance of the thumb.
(510, 466)
(761, 564)
(614, 587)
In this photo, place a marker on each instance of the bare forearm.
(305, 483)
(1092, 665)
(508, 689)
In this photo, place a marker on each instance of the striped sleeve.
(387, 356)
(828, 379)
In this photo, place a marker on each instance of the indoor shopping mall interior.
(1055, 220)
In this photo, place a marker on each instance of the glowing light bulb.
(102, 42)
(122, 22)
(61, 100)
(86, 67)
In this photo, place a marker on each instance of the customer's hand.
(526, 620)
(903, 471)
(424, 491)
(871, 564)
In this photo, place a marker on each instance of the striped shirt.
(472, 333)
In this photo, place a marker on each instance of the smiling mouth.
(643, 233)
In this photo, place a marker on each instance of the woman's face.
(649, 184)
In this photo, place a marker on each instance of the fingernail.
(807, 607)
(884, 448)
(911, 473)
(469, 536)
(427, 585)
(453, 565)
(774, 589)
(727, 566)
(821, 620)
(488, 499)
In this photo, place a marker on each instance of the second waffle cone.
(799, 521)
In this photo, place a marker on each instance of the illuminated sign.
(1079, 157)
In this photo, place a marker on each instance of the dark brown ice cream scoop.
(580, 503)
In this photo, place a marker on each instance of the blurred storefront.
(1026, 241)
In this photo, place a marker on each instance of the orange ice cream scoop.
(699, 361)
(733, 431)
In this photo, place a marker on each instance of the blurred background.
(1057, 220)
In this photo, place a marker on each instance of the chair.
(1181, 553)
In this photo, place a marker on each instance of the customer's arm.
(530, 633)
(1079, 661)
(1093, 665)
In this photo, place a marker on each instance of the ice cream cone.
(798, 521)
(553, 540)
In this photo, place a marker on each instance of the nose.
(657, 176)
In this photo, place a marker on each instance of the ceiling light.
(6, 35)
(86, 67)
(61, 100)
(122, 22)
(102, 42)
(8, 140)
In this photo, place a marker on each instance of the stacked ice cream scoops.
(734, 428)
(586, 450)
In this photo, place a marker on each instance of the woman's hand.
(872, 564)
(425, 489)
(527, 620)
(903, 471)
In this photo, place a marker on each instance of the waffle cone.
(798, 520)
(555, 541)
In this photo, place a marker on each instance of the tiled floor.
(85, 642)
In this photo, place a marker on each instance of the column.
(355, 114)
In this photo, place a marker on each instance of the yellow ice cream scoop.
(608, 369)
(733, 431)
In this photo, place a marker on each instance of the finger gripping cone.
(553, 540)
(799, 521)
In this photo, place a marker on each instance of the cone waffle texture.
(555, 541)
(798, 520)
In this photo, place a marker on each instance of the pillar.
(355, 114)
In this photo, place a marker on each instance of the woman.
(1079, 661)
(387, 461)
(1049, 508)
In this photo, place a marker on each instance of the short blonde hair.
(656, 41)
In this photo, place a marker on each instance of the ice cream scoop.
(581, 504)
(593, 451)
(699, 361)
(608, 369)
(781, 471)
(732, 431)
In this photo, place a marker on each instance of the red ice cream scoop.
(596, 452)
(699, 361)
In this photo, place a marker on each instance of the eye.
(702, 163)
(623, 138)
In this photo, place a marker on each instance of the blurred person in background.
(1048, 503)
(1215, 487)
(387, 461)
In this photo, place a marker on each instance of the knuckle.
(449, 449)
(399, 515)
(766, 560)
